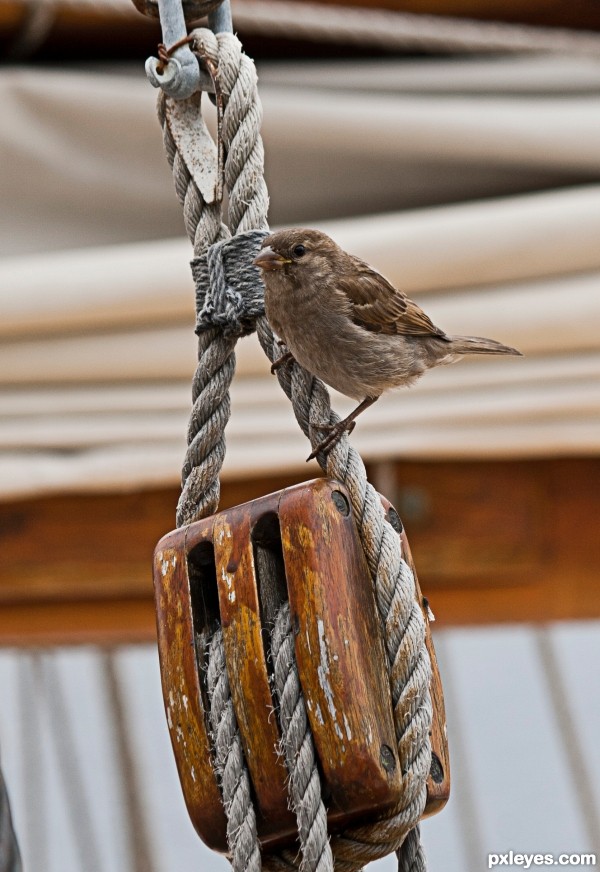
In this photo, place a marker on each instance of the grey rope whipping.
(229, 304)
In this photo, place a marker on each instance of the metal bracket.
(182, 76)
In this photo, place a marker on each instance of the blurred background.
(460, 155)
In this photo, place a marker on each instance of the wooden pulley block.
(236, 569)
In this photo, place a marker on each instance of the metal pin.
(182, 76)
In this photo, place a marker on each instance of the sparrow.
(348, 325)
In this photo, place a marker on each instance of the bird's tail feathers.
(480, 345)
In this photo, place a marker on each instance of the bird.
(346, 324)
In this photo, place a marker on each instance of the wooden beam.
(548, 13)
(492, 541)
(105, 30)
(504, 541)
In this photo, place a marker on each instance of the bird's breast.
(325, 341)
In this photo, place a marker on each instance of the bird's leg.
(335, 431)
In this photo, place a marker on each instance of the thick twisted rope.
(229, 765)
(394, 585)
(299, 751)
(404, 627)
(210, 395)
(248, 210)
(216, 360)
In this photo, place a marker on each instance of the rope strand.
(299, 751)
(230, 765)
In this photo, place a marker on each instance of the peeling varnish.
(228, 580)
(323, 672)
(224, 533)
(347, 728)
(164, 562)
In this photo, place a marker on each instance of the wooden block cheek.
(339, 651)
(247, 666)
(182, 693)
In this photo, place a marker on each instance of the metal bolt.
(437, 770)
(341, 503)
(388, 759)
(394, 519)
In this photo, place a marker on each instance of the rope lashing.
(229, 305)
(228, 295)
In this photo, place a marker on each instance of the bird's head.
(295, 250)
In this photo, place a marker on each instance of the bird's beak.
(268, 259)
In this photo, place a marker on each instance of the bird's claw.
(281, 361)
(334, 434)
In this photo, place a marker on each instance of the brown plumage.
(347, 324)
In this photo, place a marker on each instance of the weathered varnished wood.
(339, 649)
(239, 566)
(247, 666)
(182, 695)
(494, 541)
(102, 19)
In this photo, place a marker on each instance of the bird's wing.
(376, 305)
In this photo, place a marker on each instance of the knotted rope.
(229, 305)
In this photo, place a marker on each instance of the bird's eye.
(299, 250)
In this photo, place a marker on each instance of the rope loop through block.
(229, 305)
